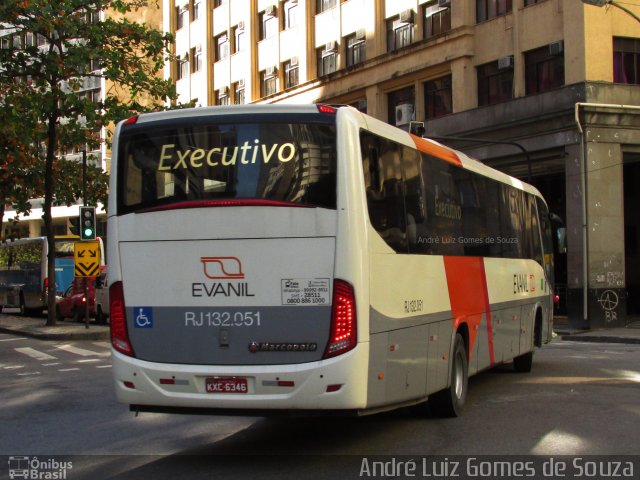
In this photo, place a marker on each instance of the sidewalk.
(629, 334)
(11, 322)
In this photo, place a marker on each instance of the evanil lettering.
(221, 289)
(174, 159)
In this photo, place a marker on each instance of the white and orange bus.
(312, 258)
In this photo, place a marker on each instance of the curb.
(90, 335)
(601, 339)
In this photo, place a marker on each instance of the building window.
(626, 60)
(239, 38)
(544, 68)
(438, 97)
(196, 59)
(399, 33)
(327, 59)
(238, 93)
(182, 67)
(222, 96)
(401, 107)
(495, 82)
(290, 13)
(291, 73)
(217, 3)
(488, 9)
(437, 19)
(268, 82)
(222, 46)
(356, 48)
(268, 23)
(324, 5)
(195, 10)
(532, 2)
(182, 17)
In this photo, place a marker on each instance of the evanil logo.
(221, 268)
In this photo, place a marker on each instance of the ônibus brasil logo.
(35, 468)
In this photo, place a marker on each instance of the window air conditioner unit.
(556, 48)
(330, 46)
(361, 33)
(293, 62)
(241, 25)
(406, 16)
(505, 62)
(404, 114)
(241, 83)
(444, 3)
(271, 11)
(270, 71)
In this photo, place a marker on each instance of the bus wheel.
(523, 363)
(450, 401)
(59, 316)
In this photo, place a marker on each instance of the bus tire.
(59, 316)
(77, 315)
(523, 363)
(450, 402)
(101, 318)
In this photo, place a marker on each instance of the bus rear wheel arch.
(450, 402)
(523, 363)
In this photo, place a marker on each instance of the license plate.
(226, 385)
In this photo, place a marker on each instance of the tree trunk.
(49, 189)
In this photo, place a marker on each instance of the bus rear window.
(163, 165)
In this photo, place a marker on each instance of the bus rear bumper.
(336, 384)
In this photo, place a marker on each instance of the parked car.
(72, 303)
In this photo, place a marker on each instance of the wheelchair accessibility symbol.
(143, 317)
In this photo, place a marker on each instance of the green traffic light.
(88, 232)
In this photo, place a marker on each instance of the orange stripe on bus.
(436, 150)
(467, 283)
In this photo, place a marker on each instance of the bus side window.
(384, 188)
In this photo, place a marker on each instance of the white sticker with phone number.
(305, 291)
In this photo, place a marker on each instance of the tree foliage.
(57, 49)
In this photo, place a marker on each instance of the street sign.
(86, 257)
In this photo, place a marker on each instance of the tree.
(56, 48)
(17, 158)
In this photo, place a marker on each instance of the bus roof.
(227, 110)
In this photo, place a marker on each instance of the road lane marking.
(33, 353)
(82, 352)
(103, 366)
(89, 360)
(11, 339)
(68, 369)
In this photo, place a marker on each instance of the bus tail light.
(119, 334)
(343, 335)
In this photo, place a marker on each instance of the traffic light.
(87, 223)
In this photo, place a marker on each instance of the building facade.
(559, 77)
